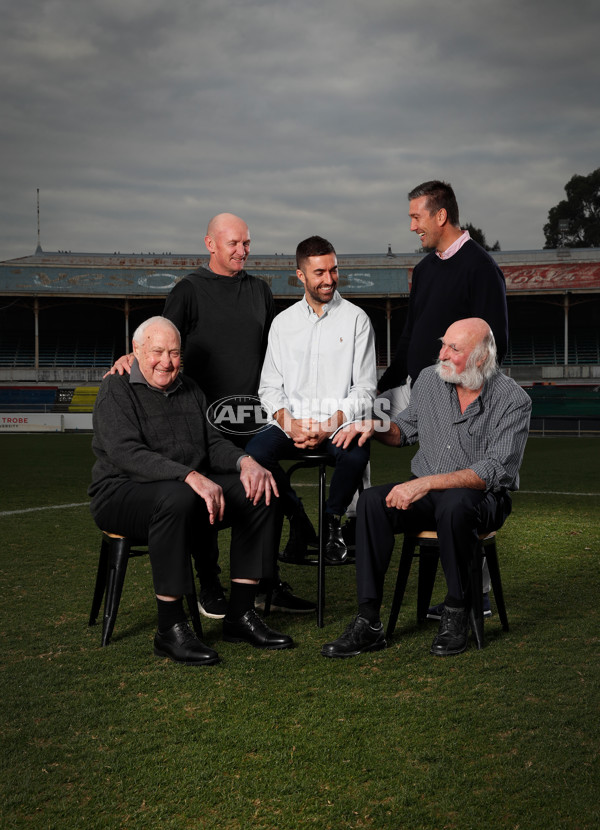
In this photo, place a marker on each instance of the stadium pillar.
(126, 326)
(566, 308)
(36, 337)
(388, 318)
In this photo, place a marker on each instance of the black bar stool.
(321, 460)
(115, 553)
(425, 546)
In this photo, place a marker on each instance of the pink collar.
(456, 246)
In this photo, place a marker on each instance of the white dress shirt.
(315, 366)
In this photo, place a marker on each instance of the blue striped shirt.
(488, 438)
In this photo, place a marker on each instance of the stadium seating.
(28, 398)
(535, 348)
(57, 352)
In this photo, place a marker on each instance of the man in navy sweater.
(457, 279)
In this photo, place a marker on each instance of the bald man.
(471, 423)
(224, 315)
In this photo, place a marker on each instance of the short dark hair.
(439, 195)
(313, 246)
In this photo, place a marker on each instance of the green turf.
(507, 737)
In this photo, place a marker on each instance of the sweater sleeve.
(487, 290)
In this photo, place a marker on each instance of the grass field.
(506, 737)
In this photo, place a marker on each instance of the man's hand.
(122, 365)
(403, 495)
(304, 433)
(257, 481)
(361, 429)
(211, 493)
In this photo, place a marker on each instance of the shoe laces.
(351, 630)
(186, 632)
(257, 621)
(452, 622)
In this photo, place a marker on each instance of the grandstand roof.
(563, 270)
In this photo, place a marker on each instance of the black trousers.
(173, 520)
(457, 515)
(272, 445)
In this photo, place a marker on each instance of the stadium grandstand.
(65, 317)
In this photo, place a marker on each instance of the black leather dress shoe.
(180, 644)
(359, 637)
(336, 552)
(453, 632)
(253, 629)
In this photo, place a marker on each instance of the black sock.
(170, 612)
(370, 611)
(241, 599)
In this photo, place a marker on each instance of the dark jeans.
(271, 445)
(173, 520)
(458, 515)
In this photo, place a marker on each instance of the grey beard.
(472, 378)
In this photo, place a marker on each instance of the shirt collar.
(136, 376)
(335, 301)
(456, 246)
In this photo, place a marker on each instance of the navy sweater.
(468, 284)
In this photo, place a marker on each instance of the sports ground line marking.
(47, 507)
(86, 503)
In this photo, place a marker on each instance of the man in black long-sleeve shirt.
(224, 315)
(164, 474)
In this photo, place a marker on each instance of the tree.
(478, 235)
(575, 222)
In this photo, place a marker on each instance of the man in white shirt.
(319, 373)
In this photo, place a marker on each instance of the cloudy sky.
(140, 119)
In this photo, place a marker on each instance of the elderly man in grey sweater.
(164, 474)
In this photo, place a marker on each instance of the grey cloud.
(138, 121)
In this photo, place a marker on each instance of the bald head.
(470, 331)
(228, 242)
(468, 354)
